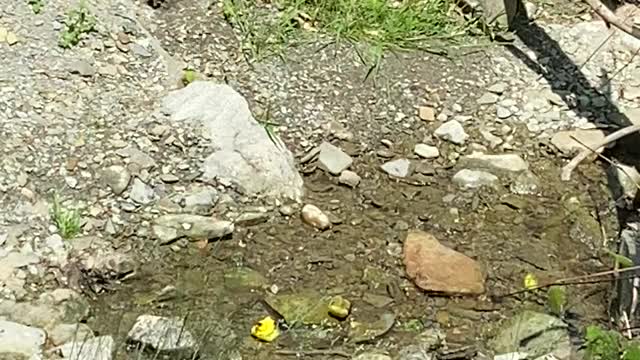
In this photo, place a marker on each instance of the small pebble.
(313, 216)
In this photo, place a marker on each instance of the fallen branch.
(611, 18)
(567, 169)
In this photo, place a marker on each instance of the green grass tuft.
(79, 21)
(381, 24)
(66, 220)
(36, 5)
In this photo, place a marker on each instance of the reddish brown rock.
(435, 267)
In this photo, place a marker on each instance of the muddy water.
(218, 289)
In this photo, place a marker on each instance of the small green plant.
(189, 76)
(557, 300)
(78, 22)
(609, 345)
(66, 220)
(36, 5)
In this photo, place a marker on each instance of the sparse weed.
(609, 345)
(189, 76)
(382, 24)
(66, 220)
(36, 5)
(78, 22)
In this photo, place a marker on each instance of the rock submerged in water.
(242, 151)
(168, 336)
(437, 268)
(168, 228)
(536, 334)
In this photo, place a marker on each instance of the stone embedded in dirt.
(82, 68)
(502, 112)
(426, 151)
(137, 157)
(11, 38)
(631, 93)
(534, 333)
(437, 268)
(510, 163)
(238, 278)
(452, 131)
(165, 335)
(497, 88)
(565, 142)
(21, 339)
(349, 178)
(169, 178)
(242, 152)
(168, 228)
(427, 113)
(141, 193)
(64, 333)
(628, 179)
(97, 348)
(372, 356)
(513, 355)
(313, 216)
(493, 140)
(488, 99)
(397, 168)
(526, 183)
(117, 178)
(306, 307)
(333, 159)
(471, 179)
(201, 200)
(368, 330)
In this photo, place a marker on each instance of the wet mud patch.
(220, 289)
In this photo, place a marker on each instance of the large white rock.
(243, 153)
(20, 339)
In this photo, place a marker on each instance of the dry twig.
(567, 169)
(318, 352)
(611, 18)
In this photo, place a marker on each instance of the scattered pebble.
(488, 99)
(313, 216)
(349, 178)
(397, 168)
(471, 179)
(333, 158)
(426, 113)
(426, 151)
(452, 131)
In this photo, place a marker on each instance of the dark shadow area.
(567, 81)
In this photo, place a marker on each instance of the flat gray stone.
(333, 158)
(397, 168)
(167, 335)
(426, 151)
(452, 131)
(141, 192)
(488, 99)
(97, 348)
(195, 227)
(64, 333)
(21, 339)
(349, 178)
(117, 178)
(242, 152)
(471, 179)
(509, 163)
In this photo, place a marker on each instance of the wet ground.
(218, 288)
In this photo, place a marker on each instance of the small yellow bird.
(266, 330)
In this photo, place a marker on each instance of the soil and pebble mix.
(371, 217)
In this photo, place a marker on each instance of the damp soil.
(219, 288)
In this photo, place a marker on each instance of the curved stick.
(567, 169)
(611, 18)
